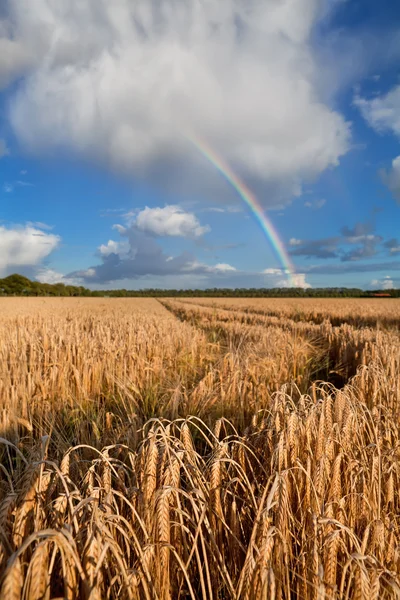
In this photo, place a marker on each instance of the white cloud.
(88, 273)
(113, 247)
(391, 178)
(223, 268)
(46, 275)
(227, 209)
(40, 225)
(24, 183)
(279, 278)
(169, 221)
(298, 280)
(10, 187)
(124, 82)
(273, 272)
(120, 228)
(382, 112)
(24, 246)
(111, 212)
(200, 267)
(359, 239)
(138, 255)
(315, 204)
(295, 242)
(386, 283)
(14, 58)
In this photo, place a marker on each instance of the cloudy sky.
(102, 185)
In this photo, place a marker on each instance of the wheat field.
(199, 449)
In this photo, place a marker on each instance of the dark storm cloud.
(393, 245)
(359, 230)
(331, 269)
(367, 248)
(144, 257)
(354, 244)
(325, 248)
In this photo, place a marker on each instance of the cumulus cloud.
(367, 248)
(298, 280)
(24, 246)
(145, 257)
(113, 247)
(386, 283)
(391, 177)
(128, 84)
(358, 232)
(365, 240)
(138, 254)
(14, 58)
(46, 275)
(354, 243)
(393, 245)
(223, 268)
(279, 278)
(199, 267)
(271, 271)
(171, 221)
(323, 248)
(382, 112)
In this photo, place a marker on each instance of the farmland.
(199, 448)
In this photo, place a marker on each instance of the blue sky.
(101, 186)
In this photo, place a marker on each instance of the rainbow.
(250, 199)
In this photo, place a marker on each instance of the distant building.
(381, 295)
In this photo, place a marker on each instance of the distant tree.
(18, 285)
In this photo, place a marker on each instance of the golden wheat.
(203, 449)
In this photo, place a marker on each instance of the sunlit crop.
(208, 449)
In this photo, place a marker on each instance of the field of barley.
(210, 449)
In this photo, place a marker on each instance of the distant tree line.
(18, 285)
